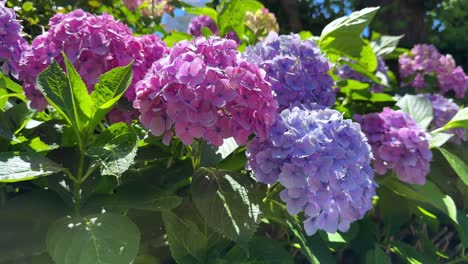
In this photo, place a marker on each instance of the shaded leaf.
(419, 108)
(457, 164)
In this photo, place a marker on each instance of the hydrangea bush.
(124, 148)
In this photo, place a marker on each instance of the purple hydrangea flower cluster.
(323, 161)
(11, 42)
(205, 90)
(346, 72)
(444, 109)
(94, 44)
(398, 144)
(296, 68)
(426, 60)
(199, 22)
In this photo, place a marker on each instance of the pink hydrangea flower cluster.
(94, 44)
(199, 22)
(11, 42)
(398, 144)
(426, 60)
(153, 7)
(204, 89)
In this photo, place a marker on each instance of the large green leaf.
(10, 84)
(24, 221)
(419, 108)
(23, 166)
(261, 250)
(428, 193)
(72, 102)
(410, 255)
(232, 14)
(227, 202)
(207, 11)
(116, 148)
(438, 139)
(187, 243)
(108, 90)
(342, 37)
(212, 155)
(136, 196)
(457, 164)
(377, 255)
(95, 239)
(385, 45)
(459, 120)
(14, 119)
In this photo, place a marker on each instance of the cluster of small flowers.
(11, 42)
(94, 44)
(426, 60)
(398, 143)
(444, 109)
(205, 90)
(347, 72)
(152, 7)
(261, 22)
(199, 22)
(322, 160)
(296, 68)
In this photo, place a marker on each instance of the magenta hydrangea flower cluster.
(12, 43)
(94, 44)
(398, 144)
(199, 22)
(426, 60)
(323, 161)
(296, 68)
(444, 109)
(204, 89)
(346, 72)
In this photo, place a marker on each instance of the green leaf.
(95, 239)
(463, 227)
(342, 37)
(419, 108)
(111, 86)
(116, 148)
(232, 15)
(305, 34)
(381, 97)
(457, 164)
(24, 166)
(212, 155)
(438, 139)
(27, 6)
(10, 84)
(428, 193)
(459, 120)
(70, 102)
(187, 243)
(226, 201)
(410, 255)
(207, 11)
(24, 221)
(392, 216)
(261, 250)
(14, 119)
(377, 255)
(385, 45)
(350, 84)
(175, 37)
(136, 196)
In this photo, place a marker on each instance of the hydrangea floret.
(297, 70)
(444, 109)
(199, 22)
(347, 72)
(426, 60)
(12, 43)
(261, 22)
(204, 89)
(398, 144)
(94, 44)
(322, 160)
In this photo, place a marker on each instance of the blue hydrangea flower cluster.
(296, 68)
(346, 72)
(323, 161)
